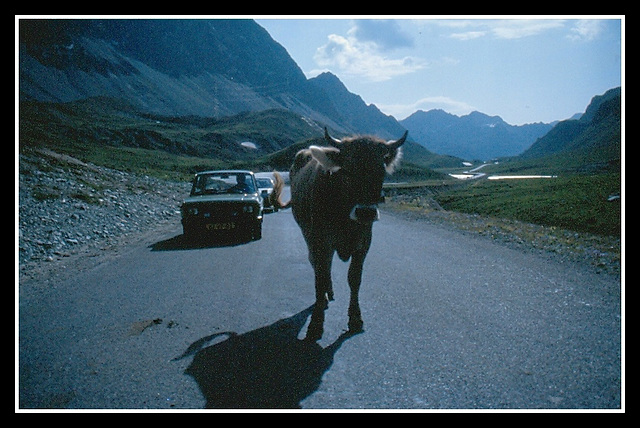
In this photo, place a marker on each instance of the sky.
(525, 70)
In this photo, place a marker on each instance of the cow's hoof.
(313, 335)
(356, 326)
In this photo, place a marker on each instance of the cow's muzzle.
(365, 213)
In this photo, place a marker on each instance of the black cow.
(334, 195)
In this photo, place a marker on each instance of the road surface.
(451, 321)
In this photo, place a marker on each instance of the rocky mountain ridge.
(594, 136)
(225, 67)
(209, 68)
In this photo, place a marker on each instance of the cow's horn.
(332, 141)
(398, 143)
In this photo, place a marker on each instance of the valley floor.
(72, 214)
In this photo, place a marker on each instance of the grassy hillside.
(590, 143)
(100, 122)
(578, 202)
(114, 134)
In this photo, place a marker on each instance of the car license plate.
(221, 226)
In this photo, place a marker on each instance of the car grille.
(222, 211)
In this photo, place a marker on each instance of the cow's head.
(358, 166)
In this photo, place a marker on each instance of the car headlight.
(190, 210)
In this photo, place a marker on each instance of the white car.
(265, 188)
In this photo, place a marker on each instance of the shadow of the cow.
(267, 368)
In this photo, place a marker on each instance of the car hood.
(246, 197)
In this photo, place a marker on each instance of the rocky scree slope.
(69, 210)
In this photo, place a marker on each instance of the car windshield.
(264, 182)
(216, 183)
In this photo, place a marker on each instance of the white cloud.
(518, 28)
(586, 29)
(358, 58)
(469, 35)
(401, 111)
(499, 28)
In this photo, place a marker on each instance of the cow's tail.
(276, 195)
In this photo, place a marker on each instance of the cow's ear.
(327, 157)
(392, 159)
(394, 153)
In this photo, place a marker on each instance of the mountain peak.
(327, 75)
(482, 119)
(329, 80)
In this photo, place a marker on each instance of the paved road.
(451, 321)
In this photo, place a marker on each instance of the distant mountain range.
(222, 68)
(474, 136)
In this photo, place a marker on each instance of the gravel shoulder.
(601, 254)
(73, 215)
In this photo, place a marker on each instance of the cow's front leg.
(324, 293)
(355, 278)
(316, 326)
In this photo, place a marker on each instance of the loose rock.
(69, 208)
